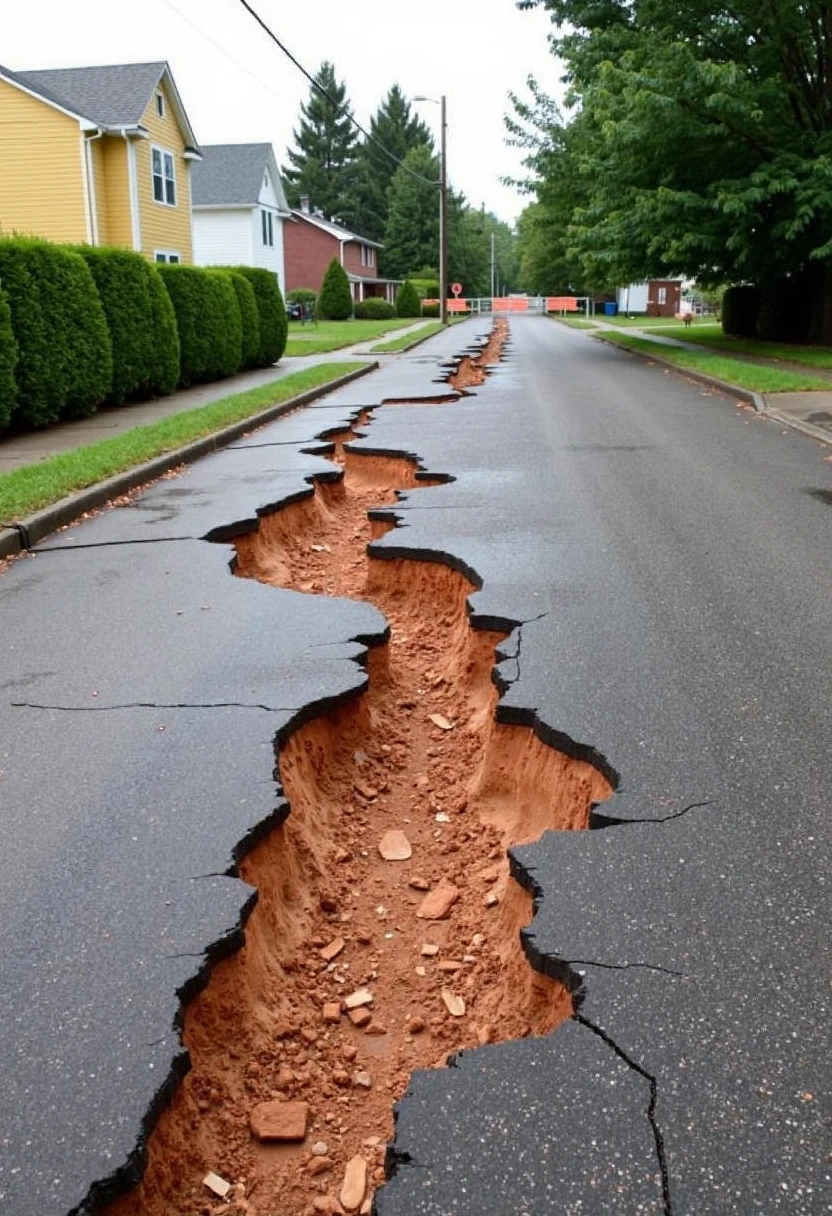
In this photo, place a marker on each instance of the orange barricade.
(561, 304)
(457, 305)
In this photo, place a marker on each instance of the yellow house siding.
(164, 227)
(114, 223)
(41, 175)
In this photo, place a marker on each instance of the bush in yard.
(426, 288)
(8, 359)
(786, 309)
(302, 295)
(141, 322)
(335, 297)
(430, 310)
(374, 309)
(65, 362)
(208, 320)
(249, 316)
(274, 324)
(740, 309)
(408, 303)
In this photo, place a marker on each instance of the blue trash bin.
(610, 310)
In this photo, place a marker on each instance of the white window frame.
(364, 255)
(159, 100)
(172, 256)
(165, 180)
(371, 256)
(267, 227)
(662, 295)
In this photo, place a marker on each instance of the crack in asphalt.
(110, 544)
(651, 1106)
(602, 821)
(591, 962)
(97, 709)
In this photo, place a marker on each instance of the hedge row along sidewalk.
(64, 487)
(727, 372)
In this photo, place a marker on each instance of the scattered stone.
(361, 996)
(491, 900)
(429, 949)
(478, 939)
(421, 971)
(418, 884)
(415, 1025)
(319, 1149)
(441, 817)
(490, 874)
(349, 1051)
(320, 548)
(318, 1165)
(394, 846)
(354, 1184)
(327, 902)
(283, 1029)
(441, 721)
(372, 1142)
(341, 1077)
(437, 903)
(328, 953)
(307, 1034)
(284, 1077)
(362, 1078)
(279, 1120)
(366, 791)
(359, 1017)
(454, 1004)
(332, 1011)
(449, 964)
(216, 1184)
(375, 1027)
(343, 855)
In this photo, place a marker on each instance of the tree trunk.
(821, 331)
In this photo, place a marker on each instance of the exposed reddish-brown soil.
(420, 753)
(472, 371)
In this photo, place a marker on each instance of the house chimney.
(304, 203)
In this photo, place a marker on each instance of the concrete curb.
(25, 533)
(745, 394)
(799, 424)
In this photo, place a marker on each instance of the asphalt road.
(663, 558)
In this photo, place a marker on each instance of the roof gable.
(231, 175)
(340, 234)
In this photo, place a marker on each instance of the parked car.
(294, 310)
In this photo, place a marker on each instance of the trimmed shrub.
(143, 333)
(8, 359)
(430, 310)
(374, 309)
(208, 320)
(426, 288)
(408, 303)
(249, 316)
(740, 309)
(274, 324)
(65, 362)
(786, 310)
(302, 295)
(335, 297)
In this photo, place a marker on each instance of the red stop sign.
(456, 288)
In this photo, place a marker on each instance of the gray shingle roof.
(229, 175)
(112, 96)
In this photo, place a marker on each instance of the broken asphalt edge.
(25, 533)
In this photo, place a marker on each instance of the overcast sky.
(474, 51)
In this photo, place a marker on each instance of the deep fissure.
(419, 752)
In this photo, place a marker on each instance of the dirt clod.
(279, 1120)
(437, 903)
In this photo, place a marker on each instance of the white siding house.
(239, 208)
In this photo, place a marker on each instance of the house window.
(160, 104)
(662, 295)
(267, 220)
(166, 255)
(164, 177)
(366, 255)
(371, 256)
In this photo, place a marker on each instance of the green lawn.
(27, 489)
(407, 340)
(713, 337)
(752, 376)
(315, 339)
(638, 322)
(573, 322)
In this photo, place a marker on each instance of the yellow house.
(99, 156)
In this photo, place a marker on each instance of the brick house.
(310, 242)
(654, 298)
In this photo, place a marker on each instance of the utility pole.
(443, 217)
(493, 271)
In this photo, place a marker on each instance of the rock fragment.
(361, 996)
(437, 903)
(441, 721)
(354, 1185)
(282, 1121)
(455, 1005)
(394, 846)
(331, 951)
(216, 1184)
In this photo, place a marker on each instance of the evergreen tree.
(323, 164)
(411, 234)
(398, 130)
(408, 303)
(335, 298)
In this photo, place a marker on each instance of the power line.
(338, 109)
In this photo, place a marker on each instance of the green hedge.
(274, 324)
(425, 288)
(208, 320)
(249, 316)
(8, 359)
(430, 310)
(141, 322)
(408, 303)
(374, 309)
(335, 297)
(740, 310)
(65, 362)
(302, 295)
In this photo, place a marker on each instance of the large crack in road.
(431, 939)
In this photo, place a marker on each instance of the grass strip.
(637, 322)
(751, 376)
(713, 337)
(574, 322)
(34, 486)
(407, 340)
(323, 336)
